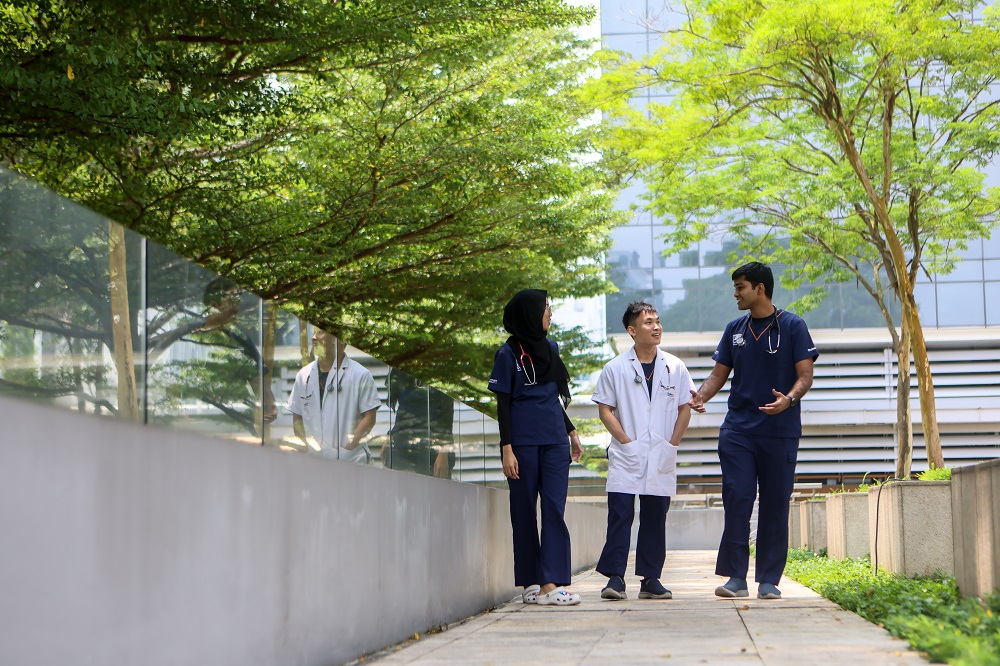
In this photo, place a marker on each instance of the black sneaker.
(734, 587)
(652, 588)
(615, 589)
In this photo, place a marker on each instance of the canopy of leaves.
(391, 171)
(797, 120)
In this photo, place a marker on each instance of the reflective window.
(421, 431)
(205, 367)
(634, 45)
(926, 297)
(633, 247)
(991, 246)
(965, 271)
(71, 329)
(992, 303)
(622, 16)
(961, 304)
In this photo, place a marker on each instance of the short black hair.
(756, 273)
(633, 311)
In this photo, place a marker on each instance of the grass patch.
(926, 611)
(935, 474)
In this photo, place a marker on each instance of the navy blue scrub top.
(756, 372)
(536, 414)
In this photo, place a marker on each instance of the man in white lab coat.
(642, 401)
(333, 402)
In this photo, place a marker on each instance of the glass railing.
(98, 319)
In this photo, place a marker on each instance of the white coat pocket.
(627, 466)
(626, 458)
(662, 460)
(667, 463)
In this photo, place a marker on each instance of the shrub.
(935, 474)
(926, 611)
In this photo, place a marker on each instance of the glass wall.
(97, 319)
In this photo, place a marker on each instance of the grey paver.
(695, 627)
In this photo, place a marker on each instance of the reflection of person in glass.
(537, 441)
(228, 302)
(421, 435)
(333, 402)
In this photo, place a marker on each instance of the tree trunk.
(121, 327)
(903, 286)
(304, 342)
(267, 394)
(925, 384)
(904, 419)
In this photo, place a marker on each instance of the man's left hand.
(780, 404)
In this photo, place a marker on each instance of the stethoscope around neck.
(773, 322)
(534, 375)
(639, 377)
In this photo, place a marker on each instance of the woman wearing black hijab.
(538, 441)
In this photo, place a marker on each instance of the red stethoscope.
(534, 376)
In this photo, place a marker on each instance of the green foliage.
(390, 171)
(935, 474)
(587, 427)
(927, 611)
(865, 485)
(595, 458)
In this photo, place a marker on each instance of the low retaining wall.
(847, 525)
(975, 507)
(812, 524)
(794, 526)
(694, 529)
(126, 544)
(910, 527)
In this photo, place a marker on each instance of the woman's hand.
(509, 462)
(575, 447)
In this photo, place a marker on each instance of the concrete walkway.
(695, 627)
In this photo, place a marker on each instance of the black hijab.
(522, 318)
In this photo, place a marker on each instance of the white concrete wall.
(910, 527)
(695, 529)
(125, 544)
(847, 525)
(975, 512)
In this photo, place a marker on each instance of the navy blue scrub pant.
(650, 547)
(543, 472)
(749, 463)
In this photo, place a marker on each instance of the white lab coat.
(648, 464)
(350, 392)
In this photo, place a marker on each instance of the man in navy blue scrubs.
(770, 354)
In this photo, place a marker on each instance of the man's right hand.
(509, 462)
(696, 403)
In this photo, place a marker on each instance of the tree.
(854, 132)
(390, 171)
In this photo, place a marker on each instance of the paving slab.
(695, 627)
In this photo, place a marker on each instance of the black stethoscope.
(773, 322)
(639, 377)
(325, 389)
